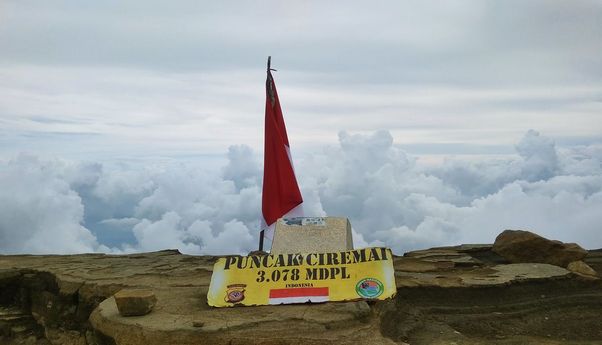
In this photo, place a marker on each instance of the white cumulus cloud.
(57, 206)
(39, 212)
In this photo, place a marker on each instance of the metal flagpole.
(262, 232)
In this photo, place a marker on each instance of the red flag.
(281, 193)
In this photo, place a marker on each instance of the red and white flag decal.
(298, 295)
(281, 195)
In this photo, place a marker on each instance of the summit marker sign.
(300, 278)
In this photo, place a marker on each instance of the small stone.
(19, 329)
(581, 268)
(197, 323)
(135, 302)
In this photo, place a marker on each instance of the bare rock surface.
(524, 246)
(465, 295)
(581, 268)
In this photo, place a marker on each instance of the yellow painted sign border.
(365, 273)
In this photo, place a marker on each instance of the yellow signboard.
(299, 278)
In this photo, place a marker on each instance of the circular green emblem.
(369, 288)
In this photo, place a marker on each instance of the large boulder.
(519, 246)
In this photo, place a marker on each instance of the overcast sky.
(112, 108)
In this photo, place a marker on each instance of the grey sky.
(186, 77)
(392, 39)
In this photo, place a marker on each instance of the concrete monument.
(312, 235)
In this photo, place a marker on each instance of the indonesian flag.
(281, 196)
(298, 295)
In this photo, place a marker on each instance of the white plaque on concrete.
(312, 235)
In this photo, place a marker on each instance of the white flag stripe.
(301, 299)
(269, 230)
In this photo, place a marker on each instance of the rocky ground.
(454, 295)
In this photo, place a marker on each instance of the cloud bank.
(60, 206)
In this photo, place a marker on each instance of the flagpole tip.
(270, 64)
